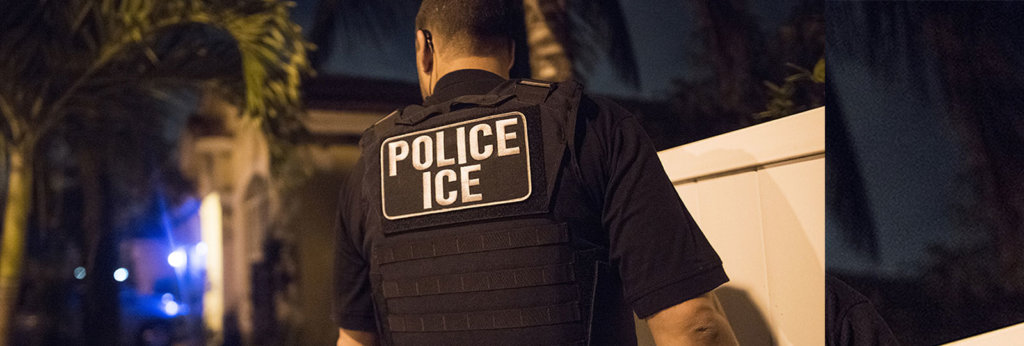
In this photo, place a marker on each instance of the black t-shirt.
(850, 319)
(660, 253)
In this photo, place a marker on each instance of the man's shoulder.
(598, 109)
(370, 134)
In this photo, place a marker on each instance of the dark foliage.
(966, 58)
(739, 59)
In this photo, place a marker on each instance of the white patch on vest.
(491, 156)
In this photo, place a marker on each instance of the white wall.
(759, 196)
(1011, 335)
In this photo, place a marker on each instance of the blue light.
(121, 274)
(171, 308)
(202, 249)
(80, 273)
(177, 258)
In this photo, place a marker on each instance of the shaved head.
(469, 27)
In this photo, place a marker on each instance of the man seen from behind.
(514, 212)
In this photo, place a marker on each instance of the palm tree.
(81, 61)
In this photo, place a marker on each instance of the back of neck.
(489, 64)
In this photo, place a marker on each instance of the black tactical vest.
(485, 225)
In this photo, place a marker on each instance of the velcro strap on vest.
(481, 320)
(462, 244)
(482, 281)
(532, 92)
(414, 114)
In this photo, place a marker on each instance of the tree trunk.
(729, 30)
(100, 302)
(544, 35)
(19, 197)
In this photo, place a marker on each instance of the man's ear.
(424, 54)
(511, 54)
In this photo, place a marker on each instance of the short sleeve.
(851, 319)
(353, 305)
(662, 256)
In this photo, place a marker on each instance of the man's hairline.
(462, 41)
(461, 44)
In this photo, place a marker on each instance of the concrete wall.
(309, 215)
(759, 196)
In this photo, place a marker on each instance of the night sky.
(908, 158)
(662, 32)
(929, 95)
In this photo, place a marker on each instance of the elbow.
(708, 333)
(708, 327)
(696, 322)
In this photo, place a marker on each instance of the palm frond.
(97, 43)
(12, 124)
(273, 55)
(30, 40)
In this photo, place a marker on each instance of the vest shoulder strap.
(563, 98)
(381, 126)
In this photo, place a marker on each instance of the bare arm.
(348, 337)
(698, 321)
